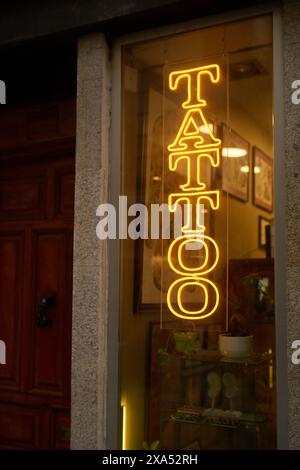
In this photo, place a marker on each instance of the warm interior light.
(233, 152)
(245, 169)
(256, 170)
(203, 129)
(123, 407)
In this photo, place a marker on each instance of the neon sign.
(194, 141)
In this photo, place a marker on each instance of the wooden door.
(36, 240)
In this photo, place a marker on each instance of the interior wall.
(244, 216)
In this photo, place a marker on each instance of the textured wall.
(89, 345)
(291, 59)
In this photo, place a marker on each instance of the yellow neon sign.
(204, 242)
(191, 133)
(194, 141)
(193, 198)
(193, 77)
(193, 162)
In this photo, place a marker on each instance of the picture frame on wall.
(263, 224)
(235, 157)
(151, 255)
(262, 180)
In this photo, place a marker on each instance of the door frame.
(113, 421)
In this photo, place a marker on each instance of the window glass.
(197, 314)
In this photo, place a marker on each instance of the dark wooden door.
(36, 240)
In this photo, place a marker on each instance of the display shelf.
(204, 390)
(226, 421)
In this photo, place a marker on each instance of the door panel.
(20, 427)
(51, 255)
(11, 292)
(36, 243)
(22, 196)
(61, 423)
(64, 192)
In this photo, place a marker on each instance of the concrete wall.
(89, 336)
(49, 18)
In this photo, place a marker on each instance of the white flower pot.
(235, 347)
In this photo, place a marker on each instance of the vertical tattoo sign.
(192, 145)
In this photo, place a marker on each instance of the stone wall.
(90, 277)
(291, 65)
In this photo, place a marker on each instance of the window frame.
(114, 429)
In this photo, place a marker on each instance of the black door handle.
(42, 317)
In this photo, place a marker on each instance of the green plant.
(253, 299)
(153, 446)
(185, 341)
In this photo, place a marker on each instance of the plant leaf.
(154, 445)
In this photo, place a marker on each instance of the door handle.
(42, 316)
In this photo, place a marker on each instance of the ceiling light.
(203, 129)
(256, 170)
(233, 152)
(245, 169)
(248, 69)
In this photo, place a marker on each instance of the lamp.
(233, 152)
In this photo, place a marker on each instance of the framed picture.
(151, 254)
(235, 164)
(262, 180)
(152, 275)
(263, 223)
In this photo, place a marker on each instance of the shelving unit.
(212, 402)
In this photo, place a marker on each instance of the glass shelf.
(242, 402)
(245, 420)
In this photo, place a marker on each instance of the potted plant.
(185, 341)
(237, 342)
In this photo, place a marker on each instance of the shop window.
(197, 313)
